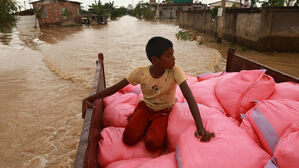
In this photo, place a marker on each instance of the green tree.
(7, 17)
(107, 9)
(253, 3)
(144, 10)
(214, 11)
(97, 8)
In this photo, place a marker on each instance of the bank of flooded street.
(46, 73)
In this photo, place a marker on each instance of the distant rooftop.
(56, 0)
(225, 1)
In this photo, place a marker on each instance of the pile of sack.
(255, 121)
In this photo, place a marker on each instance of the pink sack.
(131, 89)
(204, 93)
(237, 91)
(205, 76)
(180, 118)
(286, 90)
(130, 163)
(287, 150)
(179, 95)
(191, 79)
(110, 99)
(167, 161)
(270, 118)
(112, 148)
(286, 154)
(247, 127)
(117, 114)
(128, 98)
(231, 147)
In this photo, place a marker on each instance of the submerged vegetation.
(185, 35)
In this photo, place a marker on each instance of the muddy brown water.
(45, 73)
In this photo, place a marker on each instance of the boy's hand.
(85, 104)
(204, 134)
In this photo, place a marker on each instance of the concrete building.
(57, 12)
(172, 10)
(228, 4)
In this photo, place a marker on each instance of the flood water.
(45, 73)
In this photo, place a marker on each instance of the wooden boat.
(93, 123)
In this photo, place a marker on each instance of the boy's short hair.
(156, 46)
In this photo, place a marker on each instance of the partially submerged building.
(57, 12)
(93, 19)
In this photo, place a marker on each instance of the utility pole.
(220, 25)
(157, 11)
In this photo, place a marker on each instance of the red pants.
(148, 124)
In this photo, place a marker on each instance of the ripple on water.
(57, 67)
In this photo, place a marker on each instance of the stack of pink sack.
(112, 152)
(274, 125)
(255, 121)
(231, 146)
(237, 91)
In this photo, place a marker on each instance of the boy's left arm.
(201, 131)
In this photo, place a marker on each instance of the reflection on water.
(56, 34)
(6, 37)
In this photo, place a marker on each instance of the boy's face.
(167, 60)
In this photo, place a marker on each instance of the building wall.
(171, 11)
(268, 29)
(52, 12)
(284, 31)
(227, 4)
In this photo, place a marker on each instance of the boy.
(158, 84)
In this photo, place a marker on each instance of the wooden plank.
(87, 148)
(80, 156)
(236, 63)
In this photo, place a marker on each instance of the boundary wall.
(262, 29)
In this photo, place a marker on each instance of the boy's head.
(156, 46)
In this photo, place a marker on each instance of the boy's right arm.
(87, 102)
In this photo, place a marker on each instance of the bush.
(185, 35)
